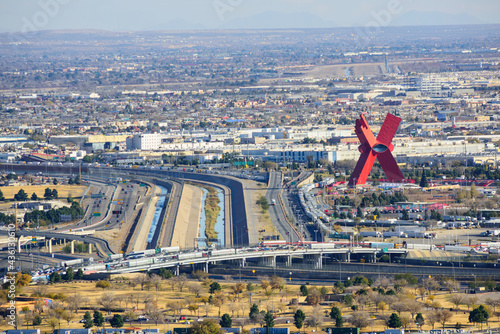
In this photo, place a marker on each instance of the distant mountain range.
(415, 18)
(275, 20)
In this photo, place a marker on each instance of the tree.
(102, 284)
(52, 322)
(336, 315)
(98, 318)
(55, 182)
(419, 320)
(79, 274)
(165, 274)
(88, 321)
(21, 196)
(116, 321)
(479, 315)
(395, 321)
(432, 317)
(359, 319)
(215, 286)
(254, 311)
(37, 320)
(444, 316)
(226, 321)
(298, 319)
(405, 215)
(423, 181)
(348, 300)
(269, 319)
(34, 197)
(277, 283)
(55, 277)
(206, 326)
(473, 191)
(55, 194)
(157, 281)
(129, 316)
(68, 316)
(456, 300)
(1, 196)
(493, 303)
(70, 274)
(48, 193)
(303, 290)
(74, 302)
(107, 301)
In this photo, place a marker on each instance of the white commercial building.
(144, 142)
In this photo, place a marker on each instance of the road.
(101, 244)
(278, 217)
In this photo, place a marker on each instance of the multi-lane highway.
(273, 196)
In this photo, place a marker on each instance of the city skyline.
(129, 15)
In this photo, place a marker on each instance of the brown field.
(170, 301)
(63, 190)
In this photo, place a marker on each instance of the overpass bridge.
(255, 256)
(102, 246)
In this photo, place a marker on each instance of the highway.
(273, 196)
(101, 244)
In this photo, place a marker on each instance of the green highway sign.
(385, 250)
(339, 236)
(97, 214)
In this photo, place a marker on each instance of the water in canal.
(219, 225)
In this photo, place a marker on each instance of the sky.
(146, 15)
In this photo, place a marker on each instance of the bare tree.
(432, 318)
(218, 300)
(181, 281)
(399, 307)
(156, 316)
(141, 279)
(456, 299)
(413, 307)
(443, 316)
(195, 288)
(68, 316)
(129, 316)
(430, 284)
(359, 319)
(470, 301)
(451, 285)
(107, 301)
(74, 302)
(172, 281)
(493, 303)
(315, 318)
(156, 281)
(382, 282)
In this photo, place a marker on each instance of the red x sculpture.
(379, 148)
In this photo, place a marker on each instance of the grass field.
(63, 190)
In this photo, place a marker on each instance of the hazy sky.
(133, 15)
